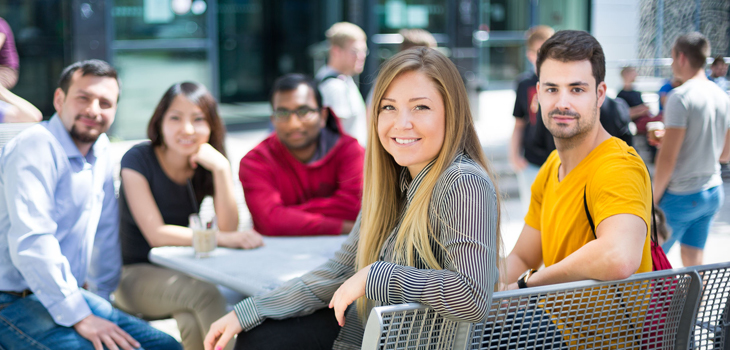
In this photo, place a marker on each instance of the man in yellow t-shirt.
(590, 164)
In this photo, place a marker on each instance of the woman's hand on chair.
(348, 292)
(210, 159)
(246, 239)
(222, 331)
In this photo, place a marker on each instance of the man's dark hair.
(695, 47)
(291, 82)
(94, 67)
(574, 45)
(718, 60)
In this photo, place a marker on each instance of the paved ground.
(494, 125)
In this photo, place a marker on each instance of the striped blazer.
(463, 215)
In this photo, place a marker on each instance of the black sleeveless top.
(173, 200)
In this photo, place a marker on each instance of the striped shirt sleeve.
(304, 295)
(466, 225)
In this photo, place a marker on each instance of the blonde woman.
(428, 231)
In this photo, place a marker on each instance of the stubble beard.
(306, 144)
(83, 137)
(569, 139)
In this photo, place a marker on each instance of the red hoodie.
(289, 198)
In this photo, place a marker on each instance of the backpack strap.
(588, 213)
(653, 234)
(331, 75)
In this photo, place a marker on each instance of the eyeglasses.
(304, 114)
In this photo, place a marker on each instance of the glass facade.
(239, 47)
(501, 34)
(156, 43)
(394, 15)
(41, 31)
(262, 40)
(242, 49)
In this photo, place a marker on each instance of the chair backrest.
(712, 320)
(413, 327)
(9, 130)
(646, 311)
(651, 310)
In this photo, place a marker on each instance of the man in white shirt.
(59, 244)
(348, 49)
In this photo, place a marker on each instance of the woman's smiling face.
(411, 121)
(184, 127)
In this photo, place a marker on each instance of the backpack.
(615, 118)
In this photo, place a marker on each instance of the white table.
(253, 271)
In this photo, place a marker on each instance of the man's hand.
(348, 292)
(247, 239)
(101, 332)
(655, 137)
(222, 331)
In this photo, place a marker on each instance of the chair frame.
(459, 335)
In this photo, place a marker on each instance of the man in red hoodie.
(306, 178)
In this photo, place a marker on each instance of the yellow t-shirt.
(615, 181)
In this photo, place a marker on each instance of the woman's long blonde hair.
(381, 201)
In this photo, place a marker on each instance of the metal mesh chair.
(646, 311)
(713, 314)
(411, 327)
(9, 130)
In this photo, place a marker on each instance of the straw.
(191, 192)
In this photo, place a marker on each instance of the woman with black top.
(428, 231)
(163, 182)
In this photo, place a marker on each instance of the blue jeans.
(26, 324)
(690, 216)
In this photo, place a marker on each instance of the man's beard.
(306, 144)
(570, 138)
(83, 137)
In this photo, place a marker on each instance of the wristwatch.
(522, 281)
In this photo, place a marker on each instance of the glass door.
(155, 44)
(500, 37)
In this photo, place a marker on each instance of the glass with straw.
(204, 234)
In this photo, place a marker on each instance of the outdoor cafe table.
(252, 271)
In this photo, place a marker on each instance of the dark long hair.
(197, 93)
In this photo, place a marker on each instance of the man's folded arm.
(269, 214)
(345, 202)
(615, 254)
